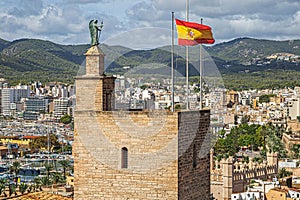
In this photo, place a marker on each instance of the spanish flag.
(190, 33)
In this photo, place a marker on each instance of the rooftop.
(41, 196)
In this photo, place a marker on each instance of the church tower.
(149, 154)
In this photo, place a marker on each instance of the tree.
(12, 189)
(42, 142)
(196, 89)
(45, 181)
(177, 107)
(65, 165)
(65, 148)
(284, 173)
(2, 185)
(143, 87)
(245, 119)
(246, 159)
(275, 145)
(295, 150)
(48, 167)
(15, 168)
(57, 177)
(235, 119)
(66, 119)
(37, 184)
(23, 187)
(265, 98)
(258, 159)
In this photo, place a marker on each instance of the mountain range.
(239, 61)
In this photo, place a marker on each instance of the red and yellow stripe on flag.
(190, 33)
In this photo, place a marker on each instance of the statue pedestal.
(94, 61)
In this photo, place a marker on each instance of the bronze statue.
(94, 29)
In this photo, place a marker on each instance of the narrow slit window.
(194, 156)
(124, 158)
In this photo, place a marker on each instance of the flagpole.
(200, 71)
(187, 59)
(172, 63)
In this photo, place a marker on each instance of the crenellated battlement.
(228, 176)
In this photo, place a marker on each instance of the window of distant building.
(194, 156)
(124, 157)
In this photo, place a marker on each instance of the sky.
(136, 23)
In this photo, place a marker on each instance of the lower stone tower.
(135, 154)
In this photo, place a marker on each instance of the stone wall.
(194, 155)
(152, 156)
(153, 142)
(168, 153)
(225, 182)
(95, 93)
(290, 140)
(217, 189)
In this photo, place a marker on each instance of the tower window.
(194, 156)
(124, 157)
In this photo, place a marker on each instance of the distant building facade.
(61, 107)
(11, 97)
(293, 109)
(34, 106)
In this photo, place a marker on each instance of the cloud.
(67, 21)
(143, 11)
(22, 8)
(141, 38)
(48, 22)
(87, 1)
(228, 18)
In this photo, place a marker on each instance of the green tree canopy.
(66, 119)
(253, 136)
(265, 98)
(65, 165)
(42, 142)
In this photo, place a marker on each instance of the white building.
(61, 107)
(248, 196)
(293, 109)
(294, 193)
(7, 99)
(12, 96)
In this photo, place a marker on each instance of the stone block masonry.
(194, 170)
(152, 154)
(155, 170)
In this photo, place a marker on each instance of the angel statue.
(94, 29)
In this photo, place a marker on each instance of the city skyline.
(66, 22)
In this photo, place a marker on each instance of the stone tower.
(227, 178)
(150, 154)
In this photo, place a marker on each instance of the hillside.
(3, 44)
(241, 59)
(244, 50)
(29, 60)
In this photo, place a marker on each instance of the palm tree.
(15, 168)
(45, 181)
(23, 187)
(2, 185)
(37, 184)
(12, 189)
(56, 177)
(48, 169)
(65, 165)
(30, 188)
